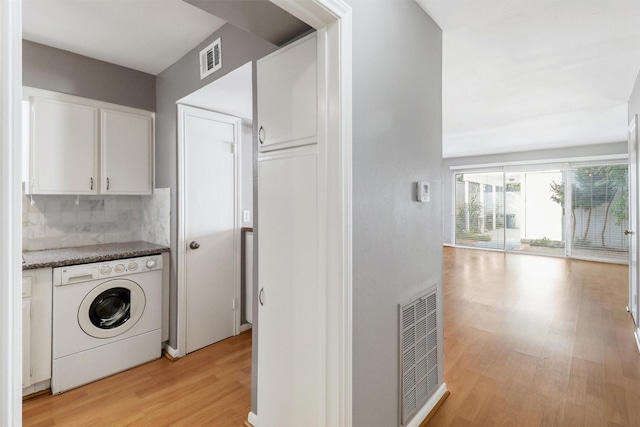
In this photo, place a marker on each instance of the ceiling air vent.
(210, 59)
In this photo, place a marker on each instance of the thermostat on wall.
(423, 191)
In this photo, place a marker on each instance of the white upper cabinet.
(64, 147)
(126, 152)
(287, 96)
(81, 146)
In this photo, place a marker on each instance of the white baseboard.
(428, 407)
(36, 388)
(245, 327)
(637, 335)
(170, 350)
(253, 419)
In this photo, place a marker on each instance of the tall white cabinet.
(289, 318)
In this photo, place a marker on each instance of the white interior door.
(210, 225)
(633, 218)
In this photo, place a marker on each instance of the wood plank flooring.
(209, 387)
(529, 341)
(537, 341)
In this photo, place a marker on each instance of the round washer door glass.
(111, 308)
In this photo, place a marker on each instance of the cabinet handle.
(260, 296)
(107, 184)
(91, 183)
(261, 134)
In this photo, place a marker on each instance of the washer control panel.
(122, 267)
(101, 270)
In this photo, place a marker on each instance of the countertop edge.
(93, 257)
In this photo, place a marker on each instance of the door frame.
(184, 110)
(10, 213)
(333, 21)
(634, 281)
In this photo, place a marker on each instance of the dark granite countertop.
(87, 254)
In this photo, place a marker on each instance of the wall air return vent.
(419, 353)
(210, 59)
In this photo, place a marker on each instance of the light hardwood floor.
(529, 341)
(537, 341)
(209, 387)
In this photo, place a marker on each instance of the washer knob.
(133, 266)
(152, 263)
(119, 268)
(105, 270)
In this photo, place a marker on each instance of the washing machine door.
(111, 308)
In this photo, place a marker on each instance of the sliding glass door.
(563, 210)
(534, 215)
(599, 212)
(479, 210)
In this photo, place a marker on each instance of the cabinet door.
(287, 96)
(126, 153)
(41, 319)
(26, 343)
(64, 147)
(288, 341)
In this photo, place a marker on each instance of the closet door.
(288, 340)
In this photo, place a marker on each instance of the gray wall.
(539, 155)
(634, 100)
(45, 67)
(397, 141)
(174, 83)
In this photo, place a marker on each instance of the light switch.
(246, 216)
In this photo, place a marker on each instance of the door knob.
(194, 245)
(627, 232)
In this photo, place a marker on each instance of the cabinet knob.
(194, 245)
(91, 181)
(261, 134)
(261, 296)
(627, 232)
(107, 184)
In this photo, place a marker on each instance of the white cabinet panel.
(126, 150)
(64, 147)
(287, 96)
(36, 342)
(288, 341)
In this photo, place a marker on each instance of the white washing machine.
(106, 319)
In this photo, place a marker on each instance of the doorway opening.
(215, 186)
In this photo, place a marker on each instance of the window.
(570, 210)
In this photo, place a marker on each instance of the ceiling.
(522, 75)
(518, 75)
(149, 35)
(230, 94)
(146, 35)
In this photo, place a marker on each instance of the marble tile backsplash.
(53, 222)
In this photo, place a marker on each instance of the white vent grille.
(418, 353)
(210, 59)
